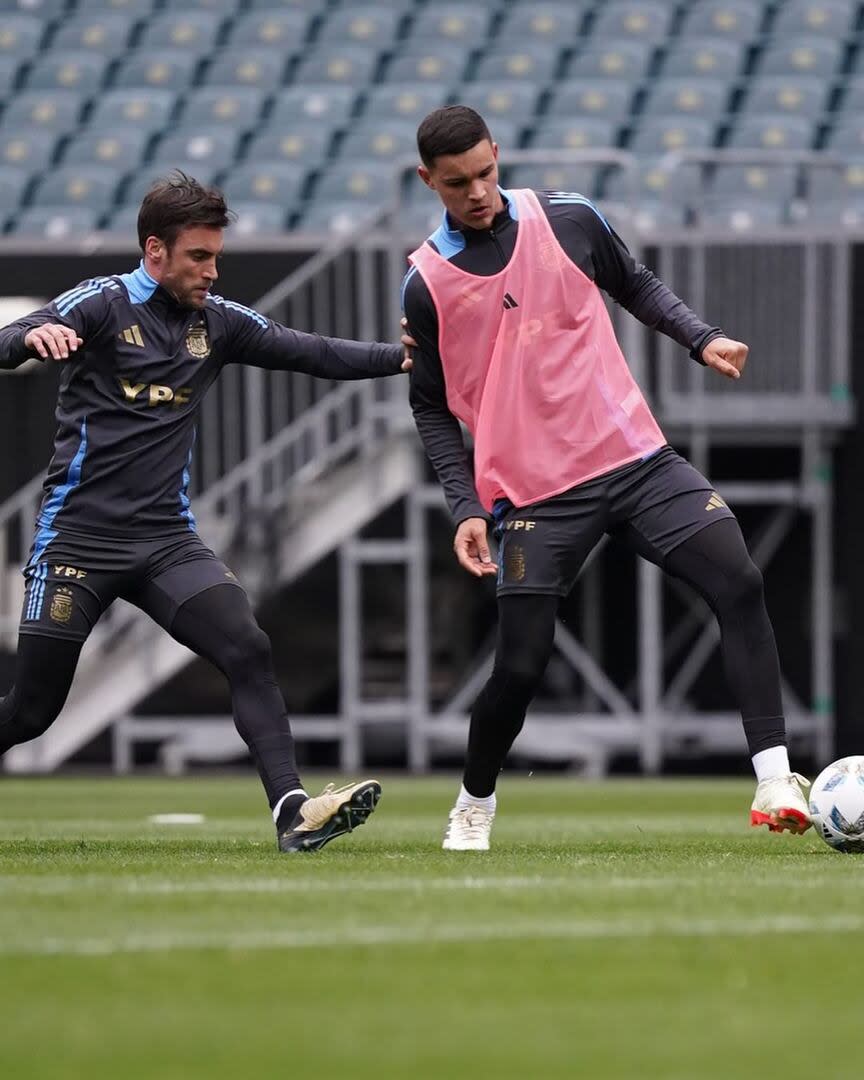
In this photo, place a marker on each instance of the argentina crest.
(197, 342)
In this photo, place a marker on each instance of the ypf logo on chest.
(154, 394)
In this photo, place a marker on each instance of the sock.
(771, 763)
(286, 809)
(465, 798)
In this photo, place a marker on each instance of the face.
(467, 184)
(188, 269)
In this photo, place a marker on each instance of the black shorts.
(653, 506)
(73, 579)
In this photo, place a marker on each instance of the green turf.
(629, 929)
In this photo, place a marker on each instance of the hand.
(53, 340)
(472, 548)
(408, 344)
(726, 356)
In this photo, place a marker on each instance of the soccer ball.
(837, 804)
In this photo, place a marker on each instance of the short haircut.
(451, 130)
(176, 202)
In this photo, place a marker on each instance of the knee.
(742, 588)
(27, 717)
(247, 651)
(521, 675)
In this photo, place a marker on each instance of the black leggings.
(716, 563)
(217, 624)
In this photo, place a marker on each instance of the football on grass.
(837, 804)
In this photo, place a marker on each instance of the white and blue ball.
(837, 804)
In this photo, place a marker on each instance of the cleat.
(333, 813)
(468, 829)
(779, 803)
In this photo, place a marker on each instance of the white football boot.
(468, 829)
(780, 804)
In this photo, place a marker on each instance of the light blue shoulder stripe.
(573, 198)
(405, 281)
(250, 313)
(97, 285)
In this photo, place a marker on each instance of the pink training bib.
(533, 368)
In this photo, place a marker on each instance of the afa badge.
(61, 606)
(198, 343)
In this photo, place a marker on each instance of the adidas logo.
(132, 336)
(509, 302)
(715, 502)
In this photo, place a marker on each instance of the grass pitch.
(617, 930)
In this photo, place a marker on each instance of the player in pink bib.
(514, 340)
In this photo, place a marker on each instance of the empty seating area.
(299, 109)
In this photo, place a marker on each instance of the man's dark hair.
(178, 202)
(451, 130)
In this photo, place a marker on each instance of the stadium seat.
(20, 35)
(106, 32)
(362, 24)
(280, 182)
(833, 184)
(123, 222)
(214, 148)
(580, 133)
(778, 182)
(66, 70)
(29, 149)
(611, 99)
(43, 110)
(657, 217)
(222, 7)
(735, 20)
(791, 95)
(741, 215)
(211, 106)
(611, 60)
(79, 185)
(582, 178)
(555, 22)
(401, 101)
(56, 222)
(704, 58)
(847, 137)
(419, 219)
(852, 98)
(772, 132)
(259, 218)
(269, 29)
(170, 69)
(654, 181)
(10, 68)
(263, 68)
(311, 7)
(818, 57)
(148, 109)
(707, 98)
(537, 63)
(328, 216)
(41, 9)
(123, 147)
(339, 65)
(307, 144)
(839, 213)
(443, 65)
(356, 181)
(13, 187)
(187, 30)
(637, 20)
(381, 140)
(657, 134)
(516, 100)
(327, 105)
(831, 18)
(131, 7)
(455, 23)
(138, 182)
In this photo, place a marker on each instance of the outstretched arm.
(56, 331)
(261, 342)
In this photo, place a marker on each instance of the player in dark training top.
(138, 353)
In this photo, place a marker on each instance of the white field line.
(57, 885)
(371, 936)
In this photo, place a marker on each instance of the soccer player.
(513, 339)
(138, 353)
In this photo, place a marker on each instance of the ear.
(425, 176)
(495, 150)
(154, 248)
